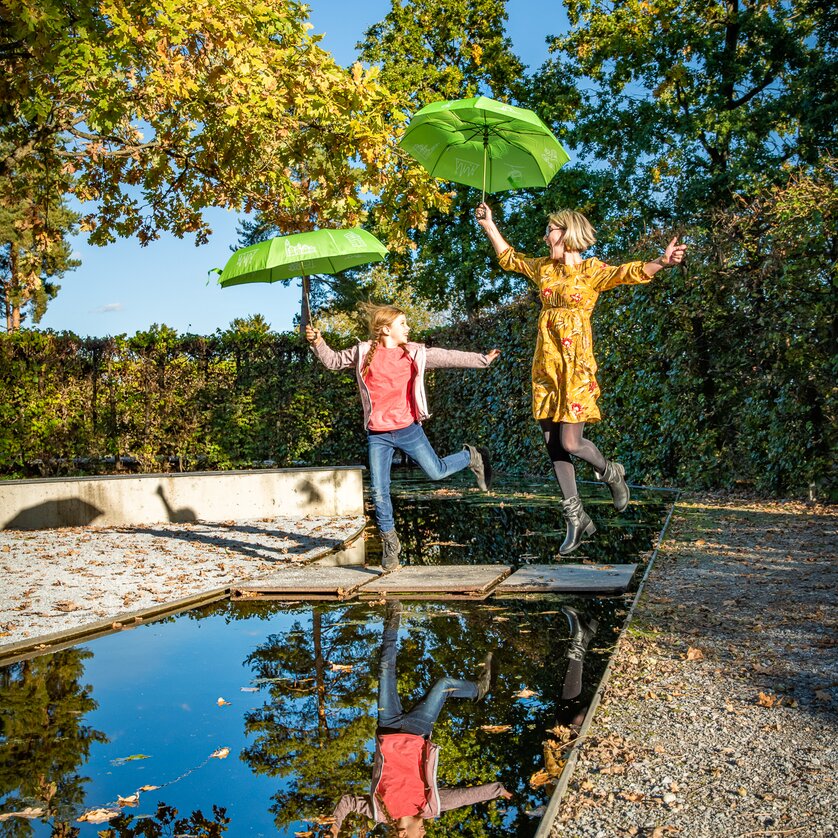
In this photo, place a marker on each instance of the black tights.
(564, 439)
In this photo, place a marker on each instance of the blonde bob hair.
(579, 234)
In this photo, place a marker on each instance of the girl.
(564, 385)
(390, 372)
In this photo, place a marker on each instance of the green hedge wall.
(680, 406)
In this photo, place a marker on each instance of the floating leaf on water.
(123, 760)
(221, 753)
(29, 812)
(148, 788)
(222, 702)
(535, 813)
(495, 728)
(250, 689)
(98, 815)
(525, 693)
(540, 778)
(131, 800)
(341, 667)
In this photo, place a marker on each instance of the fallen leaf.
(123, 760)
(29, 812)
(221, 753)
(341, 667)
(148, 788)
(540, 778)
(525, 693)
(767, 700)
(694, 654)
(222, 702)
(98, 815)
(495, 728)
(250, 689)
(131, 800)
(67, 605)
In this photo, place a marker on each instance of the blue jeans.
(420, 719)
(414, 443)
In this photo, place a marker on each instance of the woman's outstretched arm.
(483, 214)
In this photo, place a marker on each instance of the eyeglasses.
(552, 230)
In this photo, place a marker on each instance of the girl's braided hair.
(376, 317)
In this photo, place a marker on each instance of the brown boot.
(481, 465)
(390, 549)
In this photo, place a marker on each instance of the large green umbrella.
(483, 143)
(302, 254)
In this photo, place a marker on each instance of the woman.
(564, 385)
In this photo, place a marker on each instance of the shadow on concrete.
(68, 512)
(223, 536)
(184, 515)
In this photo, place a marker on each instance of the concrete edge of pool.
(549, 817)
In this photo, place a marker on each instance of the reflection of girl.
(404, 789)
(390, 372)
(564, 385)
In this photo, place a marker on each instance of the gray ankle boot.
(615, 476)
(579, 523)
(481, 465)
(391, 547)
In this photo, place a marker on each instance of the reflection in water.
(44, 741)
(581, 633)
(520, 522)
(404, 791)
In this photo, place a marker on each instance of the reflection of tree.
(315, 728)
(166, 823)
(43, 741)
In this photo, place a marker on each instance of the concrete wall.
(156, 498)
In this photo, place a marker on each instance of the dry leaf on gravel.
(695, 654)
(768, 700)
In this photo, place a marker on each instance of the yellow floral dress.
(564, 385)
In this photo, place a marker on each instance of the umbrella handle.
(485, 155)
(305, 310)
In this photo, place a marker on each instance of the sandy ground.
(54, 580)
(719, 720)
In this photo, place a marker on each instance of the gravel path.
(719, 719)
(54, 580)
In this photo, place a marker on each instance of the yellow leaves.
(98, 815)
(540, 778)
(28, 813)
(495, 728)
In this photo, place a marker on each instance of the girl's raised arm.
(326, 355)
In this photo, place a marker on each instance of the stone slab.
(312, 582)
(569, 578)
(469, 581)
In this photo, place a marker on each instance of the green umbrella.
(302, 254)
(483, 143)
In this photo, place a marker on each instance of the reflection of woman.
(404, 789)
(564, 385)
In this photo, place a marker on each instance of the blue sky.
(125, 288)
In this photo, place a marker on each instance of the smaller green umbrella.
(302, 254)
(484, 143)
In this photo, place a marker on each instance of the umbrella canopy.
(302, 254)
(483, 143)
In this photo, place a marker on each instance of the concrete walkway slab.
(311, 582)
(569, 579)
(440, 581)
